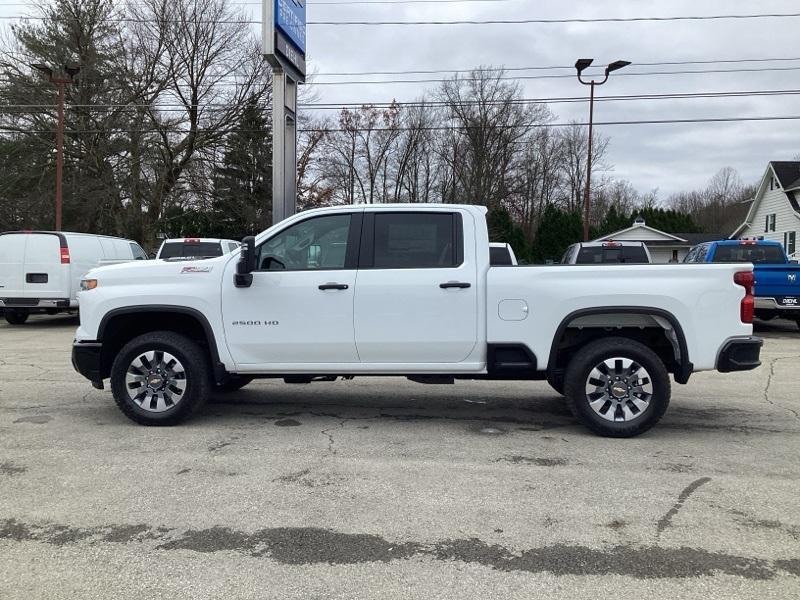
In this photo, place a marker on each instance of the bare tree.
(575, 141)
(488, 122)
(201, 64)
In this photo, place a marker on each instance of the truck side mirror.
(247, 263)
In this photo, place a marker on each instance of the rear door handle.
(333, 286)
(454, 284)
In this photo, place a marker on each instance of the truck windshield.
(593, 255)
(750, 253)
(191, 249)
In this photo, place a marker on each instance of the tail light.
(747, 307)
(64, 256)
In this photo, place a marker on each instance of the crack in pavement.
(312, 545)
(666, 520)
(771, 375)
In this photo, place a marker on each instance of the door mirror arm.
(247, 263)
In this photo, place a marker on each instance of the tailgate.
(777, 281)
(12, 254)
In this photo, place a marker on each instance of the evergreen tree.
(503, 229)
(242, 203)
(556, 231)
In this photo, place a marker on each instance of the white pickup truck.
(387, 290)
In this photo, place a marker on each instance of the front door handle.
(333, 286)
(454, 284)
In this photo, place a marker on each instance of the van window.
(417, 240)
(138, 251)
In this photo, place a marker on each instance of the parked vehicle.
(408, 290)
(192, 248)
(606, 253)
(777, 279)
(501, 254)
(40, 271)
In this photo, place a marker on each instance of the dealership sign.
(284, 34)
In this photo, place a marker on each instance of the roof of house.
(787, 172)
(668, 239)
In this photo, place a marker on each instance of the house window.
(789, 242)
(769, 223)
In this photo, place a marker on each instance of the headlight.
(88, 284)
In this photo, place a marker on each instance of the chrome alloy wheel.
(619, 389)
(156, 381)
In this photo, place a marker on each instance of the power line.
(432, 103)
(473, 22)
(563, 21)
(554, 67)
(436, 128)
(570, 76)
(345, 2)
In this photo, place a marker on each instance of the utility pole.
(581, 65)
(60, 82)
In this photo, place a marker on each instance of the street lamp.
(71, 71)
(580, 66)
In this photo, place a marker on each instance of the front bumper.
(740, 354)
(87, 360)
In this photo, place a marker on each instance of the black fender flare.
(685, 366)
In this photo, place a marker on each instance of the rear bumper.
(86, 360)
(739, 354)
(764, 303)
(34, 303)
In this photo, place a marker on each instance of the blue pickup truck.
(777, 279)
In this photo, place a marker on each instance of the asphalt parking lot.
(383, 488)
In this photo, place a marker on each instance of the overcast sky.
(668, 157)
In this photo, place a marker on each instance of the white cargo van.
(40, 271)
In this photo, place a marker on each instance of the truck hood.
(158, 269)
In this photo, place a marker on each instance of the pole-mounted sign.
(284, 46)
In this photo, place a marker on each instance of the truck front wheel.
(160, 378)
(617, 387)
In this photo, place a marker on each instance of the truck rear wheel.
(16, 316)
(617, 387)
(160, 378)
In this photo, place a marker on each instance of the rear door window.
(499, 257)
(748, 253)
(417, 240)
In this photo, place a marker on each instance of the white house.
(664, 247)
(775, 211)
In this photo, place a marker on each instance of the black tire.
(16, 316)
(577, 377)
(557, 383)
(233, 383)
(195, 374)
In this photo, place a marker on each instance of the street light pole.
(60, 83)
(581, 65)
